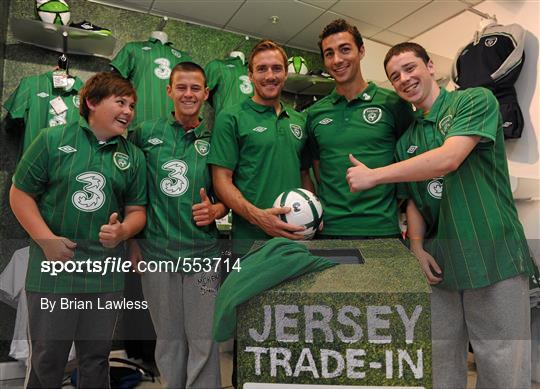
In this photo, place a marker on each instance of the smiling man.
(357, 118)
(181, 227)
(462, 225)
(256, 152)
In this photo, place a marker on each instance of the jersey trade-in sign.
(148, 66)
(177, 170)
(366, 127)
(34, 102)
(78, 182)
(228, 82)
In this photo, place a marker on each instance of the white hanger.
(238, 54)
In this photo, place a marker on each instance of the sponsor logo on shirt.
(67, 149)
(176, 183)
(176, 53)
(445, 123)
(146, 48)
(326, 121)
(412, 149)
(163, 70)
(372, 115)
(121, 160)
(155, 141)
(91, 197)
(296, 130)
(42, 95)
(259, 129)
(76, 101)
(435, 188)
(202, 147)
(489, 42)
(245, 85)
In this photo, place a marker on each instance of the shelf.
(49, 36)
(308, 85)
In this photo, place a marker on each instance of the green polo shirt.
(366, 127)
(177, 170)
(31, 101)
(148, 66)
(263, 150)
(477, 238)
(228, 82)
(78, 182)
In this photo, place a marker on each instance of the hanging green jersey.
(148, 66)
(177, 170)
(31, 102)
(367, 127)
(264, 152)
(477, 238)
(228, 82)
(78, 182)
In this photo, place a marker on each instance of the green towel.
(278, 260)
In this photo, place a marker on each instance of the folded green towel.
(278, 260)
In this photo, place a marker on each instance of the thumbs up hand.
(112, 233)
(359, 176)
(204, 212)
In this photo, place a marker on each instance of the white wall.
(523, 154)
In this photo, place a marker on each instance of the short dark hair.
(187, 67)
(266, 45)
(101, 86)
(405, 47)
(337, 26)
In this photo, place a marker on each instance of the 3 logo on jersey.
(435, 188)
(176, 183)
(91, 197)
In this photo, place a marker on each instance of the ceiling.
(297, 23)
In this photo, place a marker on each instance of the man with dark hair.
(181, 228)
(356, 118)
(256, 151)
(466, 234)
(79, 190)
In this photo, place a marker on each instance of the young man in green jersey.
(357, 118)
(462, 225)
(181, 230)
(256, 152)
(79, 191)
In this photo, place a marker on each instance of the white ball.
(306, 210)
(53, 11)
(297, 65)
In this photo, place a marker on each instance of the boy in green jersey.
(358, 118)
(181, 230)
(256, 152)
(79, 191)
(462, 224)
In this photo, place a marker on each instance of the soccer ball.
(306, 210)
(297, 65)
(53, 11)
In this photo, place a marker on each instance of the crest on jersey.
(296, 130)
(372, 115)
(489, 42)
(76, 101)
(435, 188)
(176, 53)
(202, 147)
(445, 123)
(121, 160)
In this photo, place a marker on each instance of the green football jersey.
(476, 236)
(78, 182)
(148, 66)
(264, 152)
(228, 82)
(367, 127)
(177, 170)
(31, 102)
